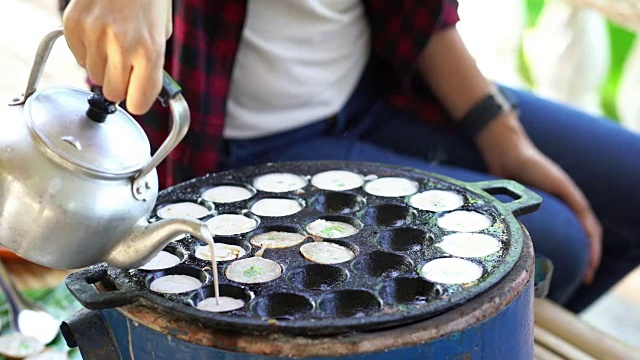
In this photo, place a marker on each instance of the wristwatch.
(484, 111)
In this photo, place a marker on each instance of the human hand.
(509, 153)
(121, 44)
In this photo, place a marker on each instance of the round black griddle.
(380, 288)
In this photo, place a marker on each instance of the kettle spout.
(148, 239)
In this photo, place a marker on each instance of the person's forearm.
(451, 72)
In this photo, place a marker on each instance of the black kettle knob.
(99, 108)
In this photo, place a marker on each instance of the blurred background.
(582, 52)
(585, 53)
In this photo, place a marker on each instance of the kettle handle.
(180, 119)
(42, 54)
(170, 95)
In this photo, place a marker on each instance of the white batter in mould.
(224, 304)
(277, 239)
(224, 252)
(337, 180)
(326, 253)
(391, 187)
(227, 194)
(231, 224)
(464, 221)
(279, 182)
(163, 260)
(185, 208)
(469, 244)
(175, 284)
(451, 271)
(275, 207)
(436, 200)
(331, 229)
(253, 270)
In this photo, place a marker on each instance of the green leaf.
(252, 271)
(332, 231)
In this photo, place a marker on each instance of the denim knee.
(557, 234)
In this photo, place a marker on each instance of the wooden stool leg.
(571, 329)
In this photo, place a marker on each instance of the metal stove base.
(508, 334)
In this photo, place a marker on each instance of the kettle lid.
(113, 145)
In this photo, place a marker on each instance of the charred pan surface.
(475, 311)
(380, 288)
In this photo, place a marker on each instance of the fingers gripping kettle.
(77, 181)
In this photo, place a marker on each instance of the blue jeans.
(601, 157)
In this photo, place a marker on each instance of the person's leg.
(599, 155)
(399, 138)
(604, 160)
(554, 228)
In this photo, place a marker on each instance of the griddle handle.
(81, 286)
(87, 331)
(525, 201)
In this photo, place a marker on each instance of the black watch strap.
(484, 111)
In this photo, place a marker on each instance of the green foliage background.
(58, 302)
(621, 41)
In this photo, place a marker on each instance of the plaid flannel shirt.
(201, 53)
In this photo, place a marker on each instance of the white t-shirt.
(298, 62)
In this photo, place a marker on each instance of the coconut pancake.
(279, 182)
(224, 252)
(469, 244)
(451, 271)
(337, 180)
(464, 221)
(253, 270)
(224, 304)
(174, 284)
(436, 200)
(163, 260)
(226, 194)
(331, 229)
(326, 253)
(391, 187)
(275, 207)
(277, 239)
(187, 209)
(231, 224)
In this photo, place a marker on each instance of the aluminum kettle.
(77, 181)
